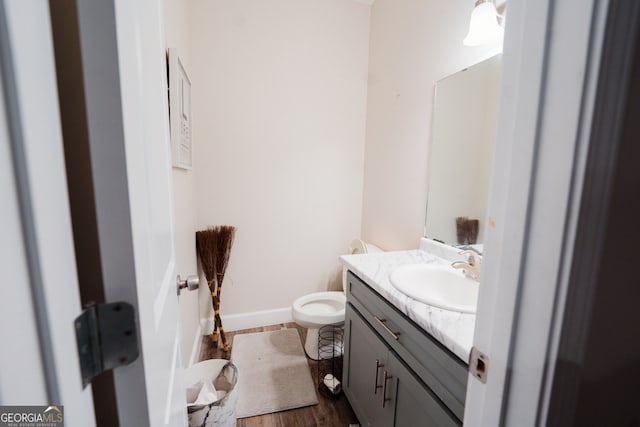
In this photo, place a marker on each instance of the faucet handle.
(472, 257)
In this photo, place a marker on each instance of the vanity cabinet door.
(382, 390)
(365, 359)
(415, 404)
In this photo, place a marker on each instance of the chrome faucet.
(469, 248)
(471, 267)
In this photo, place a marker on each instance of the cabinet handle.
(375, 382)
(386, 328)
(384, 388)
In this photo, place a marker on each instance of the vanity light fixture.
(484, 26)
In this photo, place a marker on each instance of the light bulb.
(484, 27)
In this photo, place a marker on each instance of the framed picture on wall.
(179, 112)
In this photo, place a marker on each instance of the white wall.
(413, 44)
(176, 26)
(280, 102)
(279, 108)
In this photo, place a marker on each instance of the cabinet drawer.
(434, 364)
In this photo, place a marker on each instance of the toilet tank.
(358, 246)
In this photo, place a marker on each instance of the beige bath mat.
(273, 373)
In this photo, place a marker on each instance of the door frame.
(551, 63)
(599, 341)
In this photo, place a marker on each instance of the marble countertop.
(454, 330)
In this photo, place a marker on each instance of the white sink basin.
(437, 285)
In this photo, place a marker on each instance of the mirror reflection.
(461, 153)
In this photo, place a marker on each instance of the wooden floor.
(328, 412)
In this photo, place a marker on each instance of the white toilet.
(319, 309)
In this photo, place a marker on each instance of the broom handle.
(225, 344)
(216, 318)
(214, 333)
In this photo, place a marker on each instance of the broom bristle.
(214, 248)
(226, 234)
(206, 248)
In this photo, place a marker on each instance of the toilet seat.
(319, 309)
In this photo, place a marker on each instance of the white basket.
(221, 413)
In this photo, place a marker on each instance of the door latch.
(479, 365)
(107, 337)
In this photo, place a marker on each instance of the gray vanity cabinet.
(367, 359)
(384, 383)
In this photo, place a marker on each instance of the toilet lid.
(357, 246)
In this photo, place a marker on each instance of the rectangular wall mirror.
(461, 153)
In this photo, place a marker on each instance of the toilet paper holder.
(191, 282)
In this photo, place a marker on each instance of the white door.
(39, 297)
(550, 71)
(125, 82)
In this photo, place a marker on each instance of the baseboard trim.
(197, 344)
(249, 320)
(254, 319)
(206, 325)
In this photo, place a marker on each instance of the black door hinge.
(107, 337)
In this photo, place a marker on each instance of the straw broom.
(214, 247)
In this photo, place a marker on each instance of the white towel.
(201, 393)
